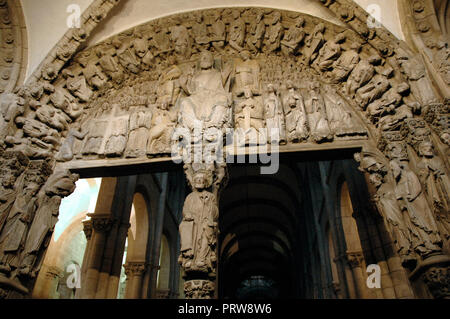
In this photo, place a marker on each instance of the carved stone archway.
(320, 85)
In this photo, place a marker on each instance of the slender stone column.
(114, 278)
(87, 229)
(355, 261)
(134, 272)
(158, 233)
(101, 226)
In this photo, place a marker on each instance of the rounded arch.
(68, 249)
(139, 230)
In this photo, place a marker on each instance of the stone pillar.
(134, 272)
(101, 226)
(355, 260)
(114, 278)
(158, 234)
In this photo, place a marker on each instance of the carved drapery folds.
(30, 206)
(199, 228)
(411, 182)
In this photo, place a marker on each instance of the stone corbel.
(355, 259)
(87, 228)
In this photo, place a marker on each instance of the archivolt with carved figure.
(322, 86)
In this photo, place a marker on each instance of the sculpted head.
(426, 149)
(376, 179)
(270, 88)
(445, 137)
(299, 22)
(245, 55)
(276, 17)
(202, 179)
(206, 60)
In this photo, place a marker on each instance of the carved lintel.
(199, 289)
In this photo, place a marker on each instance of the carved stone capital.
(199, 289)
(102, 224)
(438, 281)
(135, 268)
(87, 228)
(435, 273)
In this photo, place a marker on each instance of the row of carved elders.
(56, 107)
(27, 221)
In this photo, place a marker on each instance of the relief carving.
(142, 118)
(274, 115)
(162, 126)
(387, 204)
(237, 32)
(15, 229)
(314, 43)
(328, 54)
(293, 37)
(296, 118)
(140, 123)
(410, 194)
(199, 289)
(59, 185)
(198, 229)
(317, 115)
(207, 104)
(274, 32)
(256, 33)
